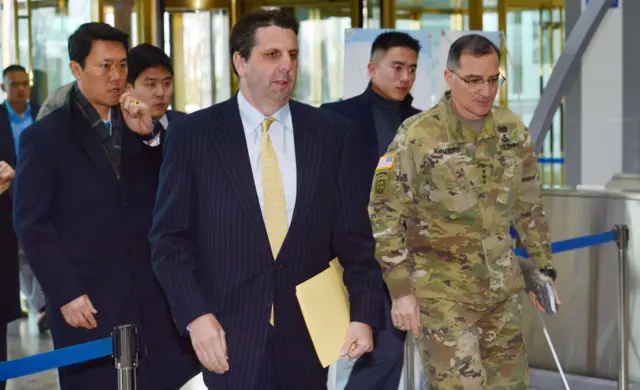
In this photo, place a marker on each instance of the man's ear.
(238, 63)
(371, 69)
(129, 87)
(448, 77)
(75, 68)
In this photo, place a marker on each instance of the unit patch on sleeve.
(381, 184)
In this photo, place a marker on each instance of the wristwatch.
(152, 135)
(550, 272)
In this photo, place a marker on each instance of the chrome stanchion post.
(125, 355)
(409, 356)
(622, 240)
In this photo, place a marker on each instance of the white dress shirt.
(281, 135)
(164, 121)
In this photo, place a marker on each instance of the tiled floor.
(25, 340)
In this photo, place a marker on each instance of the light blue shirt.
(18, 122)
(281, 135)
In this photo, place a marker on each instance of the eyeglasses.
(106, 69)
(479, 83)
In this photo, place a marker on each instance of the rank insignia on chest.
(507, 144)
(386, 162)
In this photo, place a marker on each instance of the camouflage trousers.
(473, 348)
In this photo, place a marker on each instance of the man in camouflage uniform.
(442, 202)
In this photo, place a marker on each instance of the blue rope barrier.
(575, 243)
(104, 347)
(550, 160)
(58, 358)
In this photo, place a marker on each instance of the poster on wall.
(357, 51)
(446, 38)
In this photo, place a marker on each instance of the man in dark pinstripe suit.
(256, 195)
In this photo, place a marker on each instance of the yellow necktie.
(275, 207)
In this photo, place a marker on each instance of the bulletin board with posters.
(357, 52)
(446, 38)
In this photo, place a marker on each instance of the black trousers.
(269, 378)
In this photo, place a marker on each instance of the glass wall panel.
(321, 61)
(2, 26)
(51, 27)
(407, 24)
(23, 35)
(523, 62)
(205, 57)
(534, 42)
(372, 15)
(121, 14)
(8, 34)
(110, 18)
(434, 24)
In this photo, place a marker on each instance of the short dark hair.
(388, 40)
(475, 44)
(242, 38)
(81, 41)
(145, 56)
(13, 68)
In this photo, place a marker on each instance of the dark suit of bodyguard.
(377, 114)
(84, 194)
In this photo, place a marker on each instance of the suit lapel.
(91, 143)
(34, 112)
(308, 145)
(6, 137)
(231, 147)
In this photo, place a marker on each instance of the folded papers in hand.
(324, 303)
(540, 284)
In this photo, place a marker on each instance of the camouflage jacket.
(442, 202)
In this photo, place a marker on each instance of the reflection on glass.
(167, 34)
(371, 14)
(1, 41)
(51, 28)
(121, 15)
(407, 24)
(533, 47)
(321, 56)
(23, 35)
(206, 58)
(110, 18)
(434, 24)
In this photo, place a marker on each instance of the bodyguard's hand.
(80, 312)
(405, 314)
(6, 176)
(359, 340)
(208, 340)
(136, 114)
